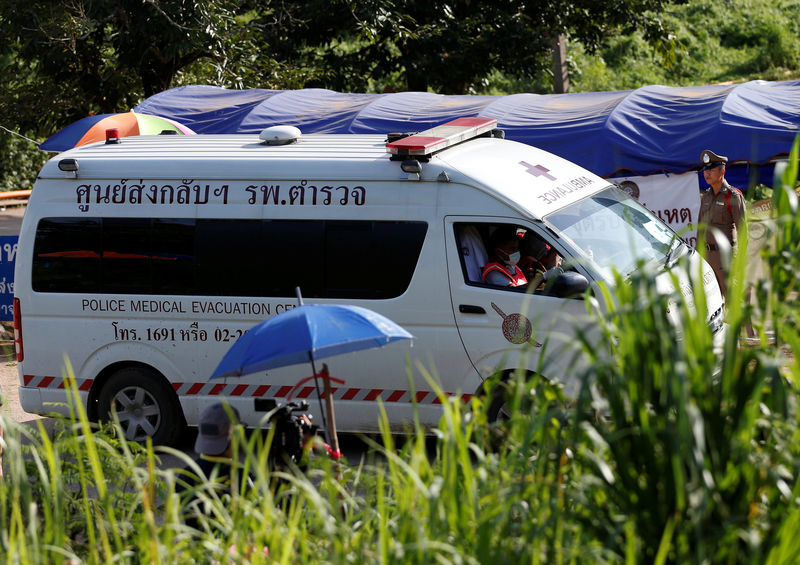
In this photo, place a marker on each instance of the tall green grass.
(667, 456)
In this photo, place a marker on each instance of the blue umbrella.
(307, 333)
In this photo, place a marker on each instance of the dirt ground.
(9, 383)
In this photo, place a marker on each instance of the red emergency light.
(441, 137)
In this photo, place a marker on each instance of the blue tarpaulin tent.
(635, 132)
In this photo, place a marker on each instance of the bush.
(20, 162)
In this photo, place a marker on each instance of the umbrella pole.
(321, 409)
(334, 439)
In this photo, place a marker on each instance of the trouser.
(715, 260)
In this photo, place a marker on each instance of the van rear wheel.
(144, 405)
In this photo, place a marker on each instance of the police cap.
(711, 159)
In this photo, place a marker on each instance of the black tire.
(498, 410)
(145, 406)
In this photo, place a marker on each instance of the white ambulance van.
(143, 260)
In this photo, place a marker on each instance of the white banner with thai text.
(673, 198)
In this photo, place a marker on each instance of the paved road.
(10, 217)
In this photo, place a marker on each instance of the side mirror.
(568, 284)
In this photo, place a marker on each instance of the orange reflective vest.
(516, 279)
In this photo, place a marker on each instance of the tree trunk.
(560, 68)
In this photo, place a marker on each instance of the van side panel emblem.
(516, 327)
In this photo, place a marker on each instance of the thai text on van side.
(191, 192)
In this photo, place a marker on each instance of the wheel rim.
(138, 412)
(503, 413)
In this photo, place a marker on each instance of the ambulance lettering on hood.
(552, 195)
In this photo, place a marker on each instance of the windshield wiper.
(672, 248)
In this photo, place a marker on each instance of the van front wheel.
(144, 406)
(499, 410)
(539, 393)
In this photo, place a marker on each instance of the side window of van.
(215, 257)
(479, 256)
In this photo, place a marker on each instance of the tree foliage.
(67, 60)
(714, 42)
(61, 61)
(451, 47)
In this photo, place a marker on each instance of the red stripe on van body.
(305, 392)
(350, 394)
(341, 393)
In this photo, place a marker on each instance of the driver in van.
(539, 262)
(502, 269)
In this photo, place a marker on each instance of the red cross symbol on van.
(537, 170)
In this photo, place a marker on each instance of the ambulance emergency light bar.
(441, 137)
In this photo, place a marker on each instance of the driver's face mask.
(510, 258)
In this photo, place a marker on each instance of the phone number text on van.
(192, 333)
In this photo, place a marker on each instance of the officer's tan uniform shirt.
(715, 212)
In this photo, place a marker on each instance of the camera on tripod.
(293, 428)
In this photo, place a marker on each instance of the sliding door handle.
(471, 309)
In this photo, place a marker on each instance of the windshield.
(611, 230)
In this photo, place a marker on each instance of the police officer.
(722, 208)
